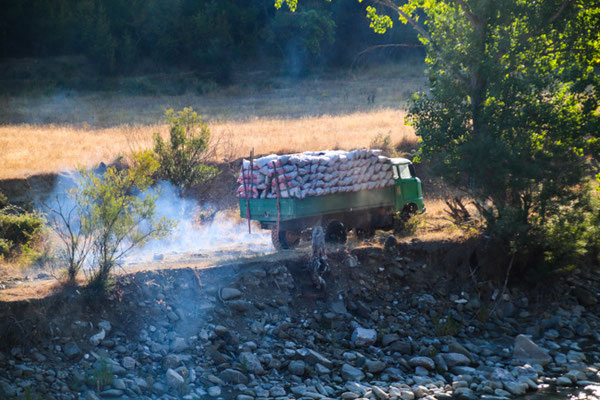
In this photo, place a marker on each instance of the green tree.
(117, 210)
(181, 159)
(513, 105)
(302, 37)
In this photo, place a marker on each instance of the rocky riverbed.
(388, 326)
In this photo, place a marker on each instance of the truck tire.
(335, 232)
(284, 240)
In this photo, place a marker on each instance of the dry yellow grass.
(33, 149)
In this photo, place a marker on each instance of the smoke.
(200, 229)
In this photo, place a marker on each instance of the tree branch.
(474, 19)
(423, 32)
(381, 46)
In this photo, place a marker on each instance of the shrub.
(182, 158)
(119, 213)
(567, 240)
(18, 229)
(65, 220)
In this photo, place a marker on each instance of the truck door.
(406, 185)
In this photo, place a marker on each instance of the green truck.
(364, 211)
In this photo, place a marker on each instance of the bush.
(18, 229)
(119, 214)
(567, 240)
(182, 158)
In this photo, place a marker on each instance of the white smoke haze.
(220, 230)
(198, 228)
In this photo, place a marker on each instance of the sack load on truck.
(339, 191)
(314, 174)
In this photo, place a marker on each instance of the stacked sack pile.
(314, 174)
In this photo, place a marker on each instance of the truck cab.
(409, 195)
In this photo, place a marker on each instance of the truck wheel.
(285, 240)
(335, 232)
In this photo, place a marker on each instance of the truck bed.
(265, 210)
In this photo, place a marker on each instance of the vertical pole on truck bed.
(252, 186)
(277, 192)
(247, 195)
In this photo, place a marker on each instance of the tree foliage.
(18, 228)
(512, 113)
(512, 107)
(210, 37)
(182, 159)
(117, 210)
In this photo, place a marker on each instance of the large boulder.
(528, 352)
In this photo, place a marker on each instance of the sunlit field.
(62, 130)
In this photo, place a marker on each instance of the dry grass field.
(61, 130)
(32, 149)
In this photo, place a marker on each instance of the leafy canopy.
(512, 113)
(181, 159)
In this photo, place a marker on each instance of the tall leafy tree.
(513, 105)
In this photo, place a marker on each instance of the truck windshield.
(404, 171)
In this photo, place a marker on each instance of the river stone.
(89, 395)
(350, 373)
(516, 388)
(389, 338)
(464, 393)
(563, 381)
(128, 362)
(456, 347)
(98, 337)
(277, 391)
(379, 392)
(575, 356)
(214, 391)
(362, 337)
(424, 362)
(407, 395)
(71, 350)
(174, 379)
(252, 363)
(104, 324)
(296, 367)
(375, 366)
(312, 358)
(456, 359)
(233, 376)
(527, 351)
(228, 293)
(321, 369)
(111, 394)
